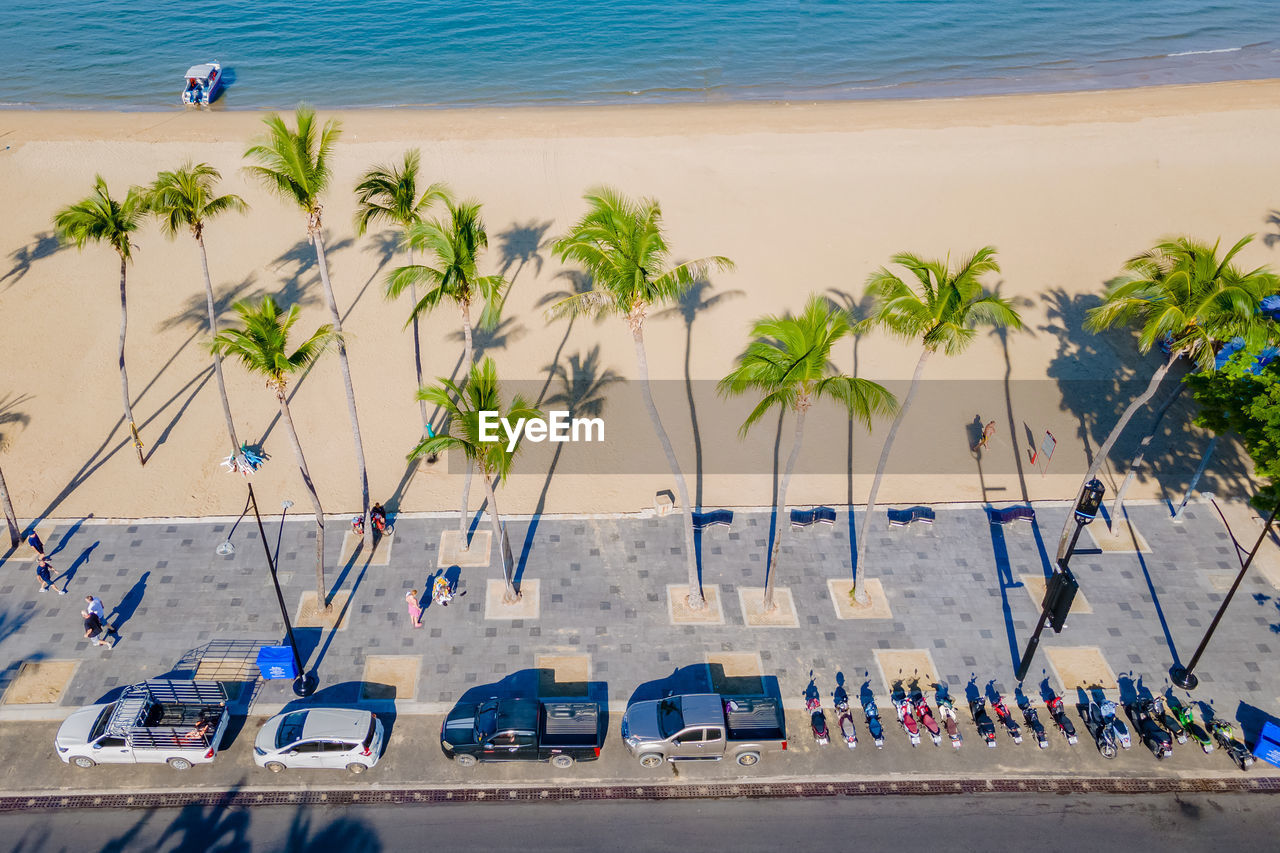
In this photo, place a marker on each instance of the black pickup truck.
(523, 730)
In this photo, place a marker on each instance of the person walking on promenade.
(93, 629)
(415, 608)
(94, 605)
(36, 545)
(46, 579)
(987, 431)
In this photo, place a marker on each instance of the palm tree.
(454, 244)
(789, 363)
(186, 199)
(621, 245)
(101, 219)
(295, 166)
(463, 405)
(390, 194)
(1179, 293)
(941, 310)
(261, 344)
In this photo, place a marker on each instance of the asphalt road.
(930, 823)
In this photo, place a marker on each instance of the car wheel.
(84, 761)
(465, 760)
(650, 759)
(274, 766)
(179, 764)
(564, 762)
(748, 759)
(357, 768)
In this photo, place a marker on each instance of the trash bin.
(277, 662)
(1268, 748)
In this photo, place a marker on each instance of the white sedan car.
(331, 738)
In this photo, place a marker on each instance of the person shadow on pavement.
(64, 580)
(129, 602)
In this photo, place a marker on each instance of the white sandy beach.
(804, 198)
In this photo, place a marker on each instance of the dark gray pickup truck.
(523, 730)
(704, 727)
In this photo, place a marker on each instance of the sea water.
(131, 54)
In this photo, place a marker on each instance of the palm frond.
(99, 218)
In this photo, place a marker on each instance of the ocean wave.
(1199, 52)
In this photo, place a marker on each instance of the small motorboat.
(203, 83)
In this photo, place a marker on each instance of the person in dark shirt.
(93, 628)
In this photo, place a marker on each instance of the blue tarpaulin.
(276, 662)
(1268, 748)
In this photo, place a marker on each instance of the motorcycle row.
(1157, 723)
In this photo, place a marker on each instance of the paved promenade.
(962, 599)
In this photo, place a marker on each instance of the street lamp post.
(1183, 675)
(306, 682)
(1060, 591)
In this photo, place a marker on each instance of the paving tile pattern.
(603, 589)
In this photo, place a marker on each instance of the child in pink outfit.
(415, 609)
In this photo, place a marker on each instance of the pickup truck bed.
(754, 718)
(571, 724)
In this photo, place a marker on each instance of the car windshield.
(290, 729)
(100, 724)
(670, 720)
(486, 720)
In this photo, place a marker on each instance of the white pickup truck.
(179, 723)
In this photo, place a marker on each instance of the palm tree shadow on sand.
(42, 245)
(583, 386)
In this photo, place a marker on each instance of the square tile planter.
(451, 553)
(678, 612)
(751, 599)
(847, 609)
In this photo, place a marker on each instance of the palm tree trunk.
(322, 594)
(469, 361)
(469, 353)
(1100, 457)
(860, 595)
(124, 375)
(462, 516)
(511, 595)
(783, 521)
(417, 349)
(1118, 503)
(336, 319)
(217, 357)
(15, 532)
(682, 488)
(1191, 487)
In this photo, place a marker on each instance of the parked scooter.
(925, 716)
(1164, 718)
(1032, 720)
(1182, 713)
(1104, 735)
(1153, 737)
(1059, 714)
(872, 716)
(1122, 731)
(844, 717)
(986, 728)
(1225, 736)
(997, 705)
(817, 719)
(906, 716)
(947, 713)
